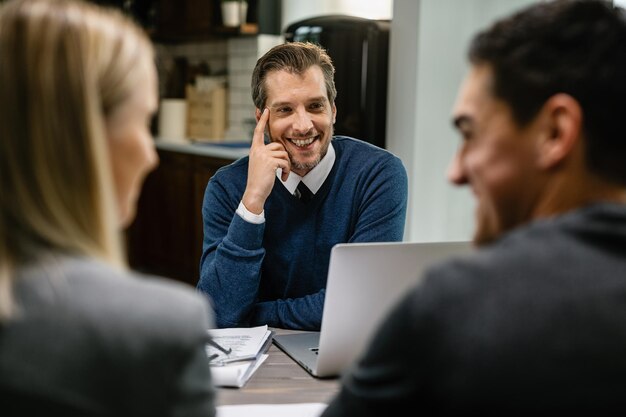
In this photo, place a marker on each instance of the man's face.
(301, 117)
(497, 159)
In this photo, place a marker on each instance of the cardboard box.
(206, 114)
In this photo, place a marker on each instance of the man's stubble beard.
(310, 165)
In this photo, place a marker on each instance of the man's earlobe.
(563, 130)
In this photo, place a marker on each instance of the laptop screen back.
(364, 281)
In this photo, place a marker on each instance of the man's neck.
(568, 193)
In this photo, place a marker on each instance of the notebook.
(364, 281)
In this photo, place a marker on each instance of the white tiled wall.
(242, 56)
(213, 53)
(235, 57)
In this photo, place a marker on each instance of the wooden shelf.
(244, 29)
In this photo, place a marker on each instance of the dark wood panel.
(166, 236)
(203, 171)
(180, 20)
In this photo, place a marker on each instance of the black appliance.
(359, 49)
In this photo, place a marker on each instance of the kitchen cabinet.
(194, 20)
(197, 20)
(166, 237)
(172, 20)
(181, 20)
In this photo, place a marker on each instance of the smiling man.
(271, 219)
(534, 321)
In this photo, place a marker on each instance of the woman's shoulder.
(111, 299)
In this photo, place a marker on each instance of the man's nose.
(302, 122)
(456, 173)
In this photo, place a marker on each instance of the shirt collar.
(315, 177)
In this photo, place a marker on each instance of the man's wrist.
(248, 216)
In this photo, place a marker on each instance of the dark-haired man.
(534, 321)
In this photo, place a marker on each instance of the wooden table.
(280, 380)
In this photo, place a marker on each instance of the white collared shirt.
(313, 180)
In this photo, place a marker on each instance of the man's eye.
(317, 106)
(283, 110)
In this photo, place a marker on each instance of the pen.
(228, 361)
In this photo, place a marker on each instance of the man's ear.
(257, 114)
(334, 113)
(562, 129)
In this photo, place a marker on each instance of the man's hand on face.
(262, 166)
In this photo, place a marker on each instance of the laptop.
(364, 281)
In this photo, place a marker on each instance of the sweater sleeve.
(382, 209)
(232, 255)
(179, 347)
(304, 313)
(194, 394)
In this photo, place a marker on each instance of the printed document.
(246, 347)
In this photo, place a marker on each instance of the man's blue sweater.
(275, 273)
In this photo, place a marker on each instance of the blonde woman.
(79, 334)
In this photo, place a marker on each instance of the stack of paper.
(247, 351)
(271, 410)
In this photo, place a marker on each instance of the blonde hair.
(65, 66)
